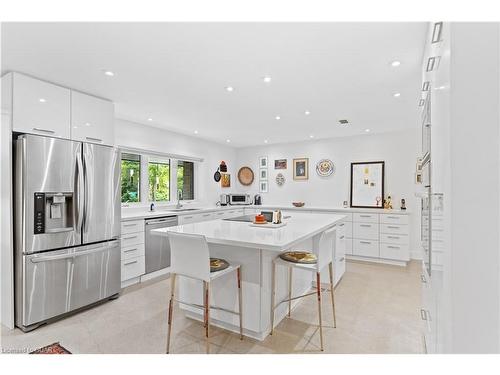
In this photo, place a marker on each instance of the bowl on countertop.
(298, 204)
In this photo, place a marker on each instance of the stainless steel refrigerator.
(67, 227)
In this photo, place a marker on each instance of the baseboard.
(400, 263)
(155, 274)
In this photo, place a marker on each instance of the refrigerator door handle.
(79, 191)
(88, 185)
(42, 258)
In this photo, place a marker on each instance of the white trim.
(159, 154)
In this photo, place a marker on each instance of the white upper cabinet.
(40, 107)
(91, 119)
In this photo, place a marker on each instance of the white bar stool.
(190, 257)
(323, 251)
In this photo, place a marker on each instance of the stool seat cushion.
(301, 257)
(218, 264)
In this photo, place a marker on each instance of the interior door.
(60, 281)
(102, 193)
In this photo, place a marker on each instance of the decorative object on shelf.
(217, 175)
(280, 164)
(419, 171)
(299, 257)
(324, 168)
(260, 219)
(277, 217)
(301, 169)
(388, 203)
(223, 166)
(217, 264)
(225, 181)
(346, 204)
(367, 184)
(245, 176)
(298, 204)
(263, 187)
(280, 179)
(263, 162)
(403, 204)
(263, 174)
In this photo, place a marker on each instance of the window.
(185, 179)
(131, 177)
(159, 181)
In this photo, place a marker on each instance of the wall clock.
(324, 167)
(280, 179)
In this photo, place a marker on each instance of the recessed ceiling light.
(42, 100)
(265, 140)
(396, 94)
(266, 79)
(87, 124)
(228, 140)
(343, 122)
(278, 118)
(196, 132)
(367, 130)
(229, 88)
(109, 73)
(307, 113)
(396, 63)
(150, 119)
(311, 136)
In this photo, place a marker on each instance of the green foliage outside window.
(159, 181)
(130, 178)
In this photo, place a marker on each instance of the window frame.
(164, 161)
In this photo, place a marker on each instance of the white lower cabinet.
(132, 252)
(365, 248)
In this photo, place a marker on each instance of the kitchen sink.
(183, 209)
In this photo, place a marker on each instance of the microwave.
(235, 199)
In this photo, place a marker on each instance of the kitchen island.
(254, 248)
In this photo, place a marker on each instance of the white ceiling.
(176, 74)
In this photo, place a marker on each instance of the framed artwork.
(367, 184)
(280, 164)
(225, 180)
(263, 174)
(301, 169)
(263, 187)
(263, 162)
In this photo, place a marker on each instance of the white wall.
(135, 135)
(397, 149)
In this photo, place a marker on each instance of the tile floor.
(377, 312)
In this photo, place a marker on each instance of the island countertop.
(224, 232)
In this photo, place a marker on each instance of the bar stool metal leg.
(318, 286)
(273, 295)
(170, 310)
(240, 309)
(207, 315)
(330, 271)
(290, 273)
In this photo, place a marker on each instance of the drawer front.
(133, 251)
(365, 230)
(393, 219)
(394, 238)
(133, 267)
(365, 218)
(394, 251)
(220, 215)
(340, 247)
(365, 248)
(348, 229)
(348, 246)
(132, 239)
(132, 226)
(394, 229)
(187, 219)
(206, 216)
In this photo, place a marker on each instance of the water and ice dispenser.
(53, 212)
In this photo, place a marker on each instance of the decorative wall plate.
(280, 179)
(324, 167)
(245, 176)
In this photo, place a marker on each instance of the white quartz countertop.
(143, 213)
(241, 234)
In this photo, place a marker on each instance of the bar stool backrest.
(325, 248)
(189, 255)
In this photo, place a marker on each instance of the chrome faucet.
(179, 197)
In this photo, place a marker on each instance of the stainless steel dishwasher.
(158, 247)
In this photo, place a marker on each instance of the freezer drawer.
(57, 282)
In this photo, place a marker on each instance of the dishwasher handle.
(172, 219)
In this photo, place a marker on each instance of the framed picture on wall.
(263, 162)
(263, 187)
(367, 184)
(301, 169)
(280, 164)
(263, 174)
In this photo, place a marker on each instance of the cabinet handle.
(188, 217)
(205, 215)
(129, 250)
(129, 263)
(393, 217)
(423, 314)
(341, 225)
(94, 139)
(129, 225)
(130, 237)
(342, 237)
(342, 259)
(365, 215)
(393, 237)
(365, 225)
(365, 242)
(393, 247)
(423, 279)
(44, 130)
(393, 227)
